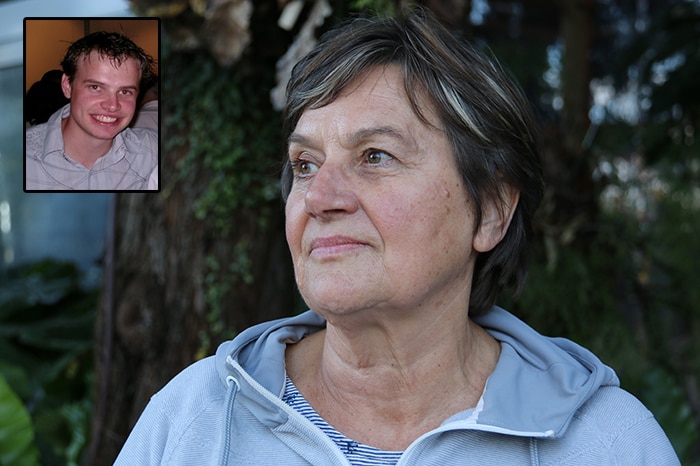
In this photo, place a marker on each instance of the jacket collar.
(537, 386)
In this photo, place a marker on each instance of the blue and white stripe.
(356, 453)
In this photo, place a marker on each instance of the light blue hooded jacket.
(548, 402)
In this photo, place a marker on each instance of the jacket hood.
(260, 349)
(551, 377)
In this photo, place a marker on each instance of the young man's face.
(102, 97)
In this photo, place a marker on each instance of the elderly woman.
(411, 181)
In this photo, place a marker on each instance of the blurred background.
(103, 298)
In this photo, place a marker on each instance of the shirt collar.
(53, 142)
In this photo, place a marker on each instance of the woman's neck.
(386, 385)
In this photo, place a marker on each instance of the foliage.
(228, 127)
(46, 333)
(573, 293)
(664, 61)
(16, 432)
(632, 298)
(224, 125)
(671, 251)
(663, 396)
(218, 282)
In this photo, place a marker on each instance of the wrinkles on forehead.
(415, 93)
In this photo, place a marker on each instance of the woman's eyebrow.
(364, 134)
(357, 137)
(300, 139)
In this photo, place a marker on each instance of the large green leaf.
(46, 334)
(17, 446)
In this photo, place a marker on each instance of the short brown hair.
(115, 46)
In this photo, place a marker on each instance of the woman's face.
(378, 216)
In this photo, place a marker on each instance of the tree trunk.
(177, 284)
(570, 206)
(155, 318)
(576, 76)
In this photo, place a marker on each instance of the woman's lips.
(334, 245)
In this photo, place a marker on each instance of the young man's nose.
(111, 103)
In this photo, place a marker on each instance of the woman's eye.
(304, 167)
(376, 157)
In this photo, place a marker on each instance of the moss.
(223, 120)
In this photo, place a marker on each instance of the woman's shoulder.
(615, 424)
(197, 384)
(178, 420)
(193, 396)
(611, 406)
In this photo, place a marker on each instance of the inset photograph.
(91, 104)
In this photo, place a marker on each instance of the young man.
(87, 144)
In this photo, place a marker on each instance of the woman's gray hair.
(484, 114)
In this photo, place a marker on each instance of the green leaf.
(17, 446)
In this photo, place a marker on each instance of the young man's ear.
(66, 86)
(496, 216)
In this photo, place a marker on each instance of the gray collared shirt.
(126, 166)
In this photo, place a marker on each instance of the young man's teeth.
(105, 119)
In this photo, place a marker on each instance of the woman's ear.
(496, 216)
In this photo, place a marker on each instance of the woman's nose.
(330, 193)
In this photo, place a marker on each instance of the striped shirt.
(125, 167)
(356, 453)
